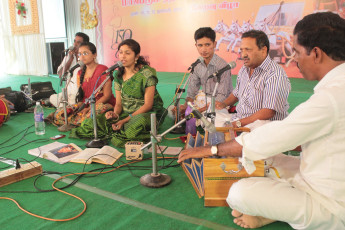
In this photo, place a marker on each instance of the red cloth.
(89, 86)
(232, 109)
(3, 112)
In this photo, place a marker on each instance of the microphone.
(200, 59)
(117, 65)
(208, 125)
(63, 76)
(79, 64)
(230, 65)
(81, 107)
(69, 49)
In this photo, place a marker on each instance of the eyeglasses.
(83, 53)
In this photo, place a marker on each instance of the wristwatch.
(238, 123)
(214, 150)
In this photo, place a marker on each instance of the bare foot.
(236, 213)
(247, 221)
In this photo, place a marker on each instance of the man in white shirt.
(311, 192)
(69, 61)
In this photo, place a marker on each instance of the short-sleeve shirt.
(267, 88)
(202, 72)
(133, 90)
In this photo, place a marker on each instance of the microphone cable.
(79, 175)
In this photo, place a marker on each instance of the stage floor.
(115, 200)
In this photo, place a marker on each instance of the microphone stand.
(28, 94)
(159, 137)
(212, 113)
(96, 142)
(155, 179)
(180, 128)
(65, 127)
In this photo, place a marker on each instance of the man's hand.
(199, 152)
(220, 105)
(182, 110)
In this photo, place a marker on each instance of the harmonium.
(213, 177)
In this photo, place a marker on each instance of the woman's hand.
(86, 112)
(110, 115)
(118, 125)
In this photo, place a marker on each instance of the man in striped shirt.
(262, 87)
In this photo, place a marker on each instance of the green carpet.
(114, 200)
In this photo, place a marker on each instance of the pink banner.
(165, 28)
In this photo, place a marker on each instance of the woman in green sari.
(136, 98)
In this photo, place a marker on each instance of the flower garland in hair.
(21, 8)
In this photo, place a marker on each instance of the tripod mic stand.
(65, 127)
(96, 142)
(211, 112)
(180, 128)
(154, 179)
(28, 95)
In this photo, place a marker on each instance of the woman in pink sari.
(88, 79)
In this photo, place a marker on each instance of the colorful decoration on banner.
(20, 6)
(280, 41)
(88, 21)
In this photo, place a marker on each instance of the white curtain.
(23, 54)
(73, 22)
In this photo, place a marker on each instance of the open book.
(56, 151)
(62, 153)
(106, 155)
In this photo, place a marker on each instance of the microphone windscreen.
(210, 127)
(81, 64)
(232, 64)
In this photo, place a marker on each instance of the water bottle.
(227, 122)
(39, 119)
